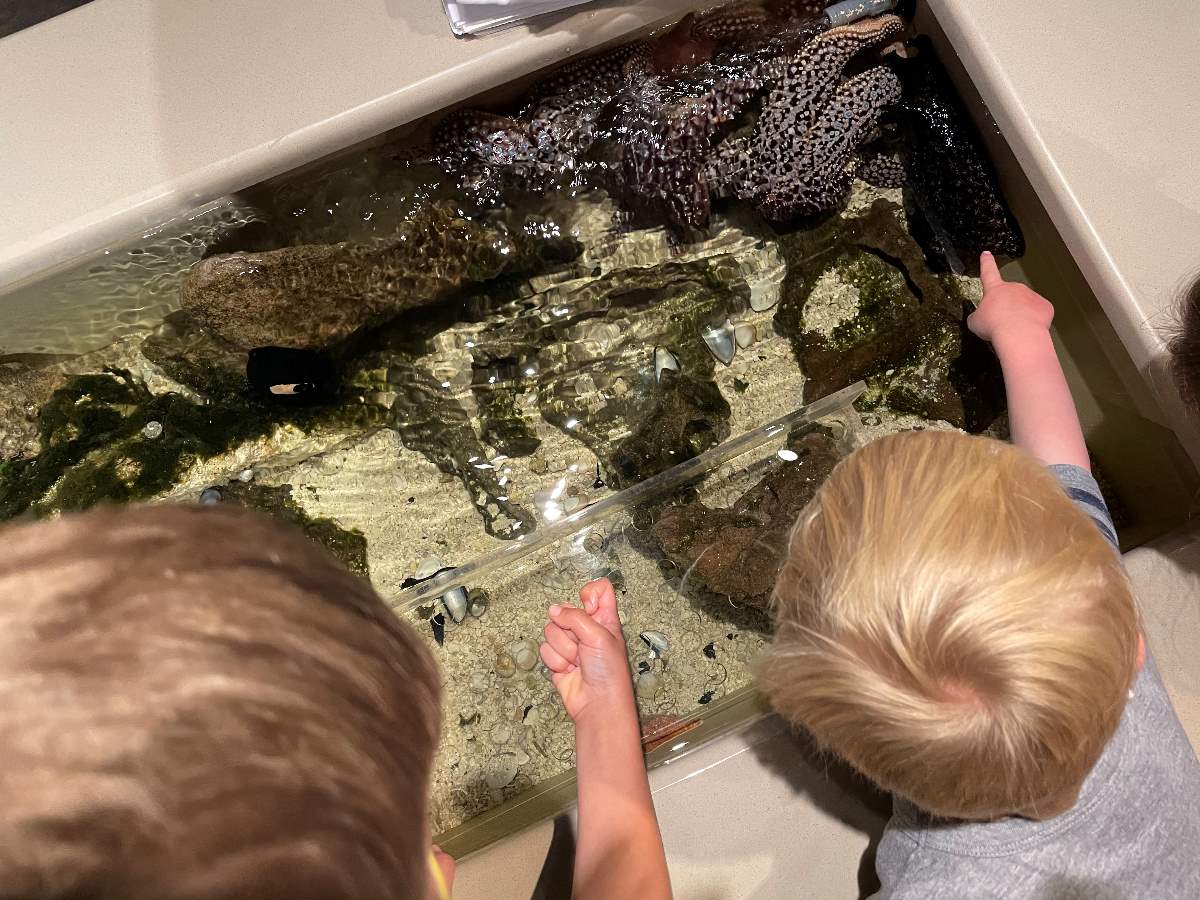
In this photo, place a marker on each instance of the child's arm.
(619, 852)
(1041, 412)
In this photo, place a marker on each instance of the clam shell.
(524, 654)
(764, 300)
(477, 603)
(721, 342)
(656, 641)
(427, 567)
(664, 359)
(455, 601)
(500, 770)
(744, 335)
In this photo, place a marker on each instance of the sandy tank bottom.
(504, 729)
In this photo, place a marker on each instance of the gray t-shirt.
(1134, 833)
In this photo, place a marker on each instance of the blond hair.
(950, 623)
(198, 703)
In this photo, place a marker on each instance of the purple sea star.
(796, 160)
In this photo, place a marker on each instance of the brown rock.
(316, 295)
(907, 340)
(739, 551)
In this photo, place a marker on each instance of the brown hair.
(954, 627)
(1184, 347)
(199, 703)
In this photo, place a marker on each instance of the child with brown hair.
(1184, 347)
(954, 621)
(199, 703)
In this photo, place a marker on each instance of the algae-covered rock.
(93, 446)
(859, 303)
(316, 295)
(638, 418)
(106, 437)
(738, 551)
(501, 423)
(25, 384)
(953, 377)
(348, 545)
(691, 416)
(196, 357)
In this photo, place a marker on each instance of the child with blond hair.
(953, 620)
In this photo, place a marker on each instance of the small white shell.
(524, 654)
(721, 342)
(455, 601)
(428, 566)
(664, 359)
(657, 642)
(501, 769)
(648, 684)
(744, 334)
(477, 603)
(761, 301)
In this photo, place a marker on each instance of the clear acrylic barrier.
(507, 754)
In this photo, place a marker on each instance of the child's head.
(196, 703)
(1185, 347)
(951, 624)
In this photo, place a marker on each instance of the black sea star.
(941, 159)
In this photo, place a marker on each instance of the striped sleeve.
(1081, 487)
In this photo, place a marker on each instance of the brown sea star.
(796, 160)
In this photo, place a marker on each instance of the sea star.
(942, 160)
(666, 140)
(796, 160)
(642, 121)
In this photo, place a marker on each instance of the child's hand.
(585, 651)
(1008, 309)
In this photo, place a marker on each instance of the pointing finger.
(989, 272)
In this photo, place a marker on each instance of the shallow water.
(468, 426)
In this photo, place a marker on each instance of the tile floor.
(755, 816)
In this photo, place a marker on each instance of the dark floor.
(17, 15)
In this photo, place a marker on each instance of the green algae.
(94, 449)
(348, 545)
(501, 422)
(907, 337)
(879, 286)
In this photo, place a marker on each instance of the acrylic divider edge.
(410, 599)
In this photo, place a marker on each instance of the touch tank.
(623, 324)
